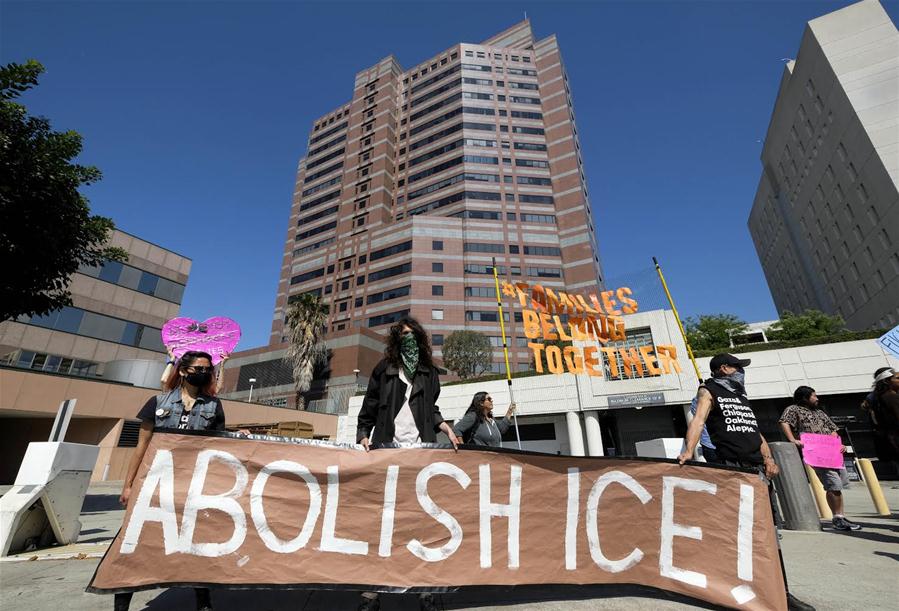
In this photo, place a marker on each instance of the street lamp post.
(252, 381)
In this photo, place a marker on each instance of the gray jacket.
(481, 433)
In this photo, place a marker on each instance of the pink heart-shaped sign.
(217, 336)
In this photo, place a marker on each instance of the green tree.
(46, 229)
(468, 353)
(713, 331)
(808, 325)
(305, 321)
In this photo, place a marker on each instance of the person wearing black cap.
(722, 406)
(724, 409)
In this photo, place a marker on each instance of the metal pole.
(680, 325)
(502, 328)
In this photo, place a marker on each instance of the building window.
(513, 249)
(436, 314)
(345, 285)
(437, 268)
(437, 289)
(437, 245)
(436, 339)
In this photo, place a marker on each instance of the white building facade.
(595, 416)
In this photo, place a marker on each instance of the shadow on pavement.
(94, 503)
(465, 598)
(887, 555)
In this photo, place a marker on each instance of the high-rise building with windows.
(408, 192)
(825, 220)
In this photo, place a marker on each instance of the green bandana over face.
(409, 352)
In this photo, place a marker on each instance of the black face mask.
(200, 380)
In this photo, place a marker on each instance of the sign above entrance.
(638, 399)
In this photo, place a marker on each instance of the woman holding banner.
(400, 406)
(478, 427)
(188, 403)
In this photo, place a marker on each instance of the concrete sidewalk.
(833, 571)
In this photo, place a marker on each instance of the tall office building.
(408, 191)
(825, 220)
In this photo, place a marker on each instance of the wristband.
(170, 362)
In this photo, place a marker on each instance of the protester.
(722, 406)
(400, 406)
(478, 427)
(188, 403)
(807, 416)
(171, 361)
(883, 406)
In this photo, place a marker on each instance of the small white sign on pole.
(889, 341)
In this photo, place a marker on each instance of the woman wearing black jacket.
(401, 400)
(400, 406)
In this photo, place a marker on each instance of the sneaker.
(844, 525)
(852, 524)
(369, 604)
(426, 602)
(794, 604)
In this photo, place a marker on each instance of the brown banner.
(255, 513)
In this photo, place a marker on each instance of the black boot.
(204, 599)
(122, 601)
(426, 602)
(367, 603)
(794, 604)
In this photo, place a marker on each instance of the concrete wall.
(29, 401)
(825, 219)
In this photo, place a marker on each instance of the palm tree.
(305, 320)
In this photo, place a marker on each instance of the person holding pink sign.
(171, 361)
(807, 416)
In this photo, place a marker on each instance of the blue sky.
(197, 114)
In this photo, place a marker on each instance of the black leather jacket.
(384, 399)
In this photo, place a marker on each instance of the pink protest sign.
(217, 336)
(822, 450)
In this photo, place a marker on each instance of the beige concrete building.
(105, 415)
(825, 220)
(409, 190)
(117, 314)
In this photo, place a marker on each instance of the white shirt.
(404, 428)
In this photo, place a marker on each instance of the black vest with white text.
(732, 425)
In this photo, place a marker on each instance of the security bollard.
(874, 488)
(796, 500)
(820, 495)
